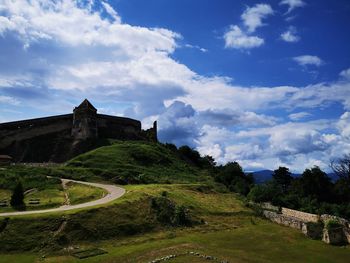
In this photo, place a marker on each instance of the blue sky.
(265, 83)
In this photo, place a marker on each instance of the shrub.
(182, 217)
(332, 224)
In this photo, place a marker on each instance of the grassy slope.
(139, 162)
(79, 193)
(231, 232)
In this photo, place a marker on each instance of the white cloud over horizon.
(81, 53)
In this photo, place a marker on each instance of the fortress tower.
(84, 121)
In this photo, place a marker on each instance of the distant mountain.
(265, 175)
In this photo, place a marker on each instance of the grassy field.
(79, 193)
(128, 231)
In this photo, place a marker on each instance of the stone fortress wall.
(64, 133)
(22, 130)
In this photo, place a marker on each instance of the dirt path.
(114, 192)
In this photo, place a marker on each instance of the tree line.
(313, 191)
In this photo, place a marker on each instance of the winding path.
(114, 192)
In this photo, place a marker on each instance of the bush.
(170, 214)
(182, 217)
(165, 209)
(332, 224)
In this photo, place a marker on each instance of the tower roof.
(86, 105)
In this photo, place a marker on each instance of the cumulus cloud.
(292, 4)
(71, 24)
(236, 38)
(306, 60)
(290, 35)
(178, 125)
(252, 17)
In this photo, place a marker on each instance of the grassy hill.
(138, 162)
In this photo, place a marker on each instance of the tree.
(17, 198)
(315, 183)
(282, 177)
(189, 154)
(234, 178)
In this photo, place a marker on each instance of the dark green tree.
(283, 178)
(234, 178)
(315, 183)
(17, 198)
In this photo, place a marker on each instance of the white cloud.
(204, 50)
(252, 17)
(110, 10)
(132, 68)
(67, 22)
(308, 60)
(236, 38)
(344, 125)
(345, 74)
(292, 4)
(299, 115)
(290, 35)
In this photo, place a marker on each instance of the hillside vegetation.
(127, 162)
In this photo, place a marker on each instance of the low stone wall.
(305, 217)
(269, 206)
(311, 225)
(283, 220)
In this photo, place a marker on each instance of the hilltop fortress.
(59, 138)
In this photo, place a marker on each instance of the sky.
(264, 83)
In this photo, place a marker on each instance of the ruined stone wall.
(305, 217)
(284, 220)
(312, 225)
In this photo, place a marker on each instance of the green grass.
(79, 193)
(128, 231)
(48, 198)
(137, 162)
(5, 194)
(51, 197)
(231, 232)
